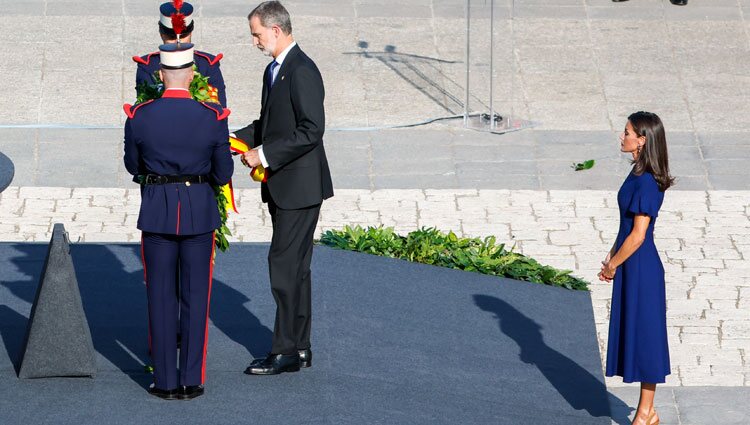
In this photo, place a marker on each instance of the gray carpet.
(394, 342)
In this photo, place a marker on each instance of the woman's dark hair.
(653, 157)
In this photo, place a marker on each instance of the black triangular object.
(58, 339)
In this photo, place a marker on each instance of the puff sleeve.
(647, 198)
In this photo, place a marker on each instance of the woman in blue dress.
(637, 349)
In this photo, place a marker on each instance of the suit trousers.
(162, 255)
(289, 269)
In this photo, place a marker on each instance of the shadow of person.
(229, 314)
(12, 331)
(114, 302)
(580, 389)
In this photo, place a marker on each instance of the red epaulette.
(130, 109)
(211, 60)
(221, 112)
(144, 59)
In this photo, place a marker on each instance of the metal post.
(466, 90)
(492, 61)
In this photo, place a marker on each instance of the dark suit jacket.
(178, 136)
(290, 128)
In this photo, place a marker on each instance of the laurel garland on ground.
(201, 91)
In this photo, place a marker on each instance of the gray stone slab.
(649, 13)
(21, 146)
(725, 405)
(702, 13)
(577, 152)
(103, 104)
(144, 8)
(351, 181)
(498, 152)
(226, 8)
(109, 57)
(31, 52)
(549, 11)
(729, 181)
(580, 180)
(395, 181)
(22, 108)
(348, 167)
(464, 137)
(562, 166)
(506, 181)
(681, 138)
(689, 153)
(494, 170)
(693, 183)
(79, 8)
(688, 168)
(728, 166)
(325, 9)
(408, 166)
(366, 10)
(726, 152)
(81, 163)
(27, 7)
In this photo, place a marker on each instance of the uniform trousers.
(162, 255)
(289, 270)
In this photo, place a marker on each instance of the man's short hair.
(272, 13)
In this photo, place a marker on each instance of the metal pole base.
(502, 123)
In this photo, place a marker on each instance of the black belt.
(187, 180)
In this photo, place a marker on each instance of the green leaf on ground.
(585, 165)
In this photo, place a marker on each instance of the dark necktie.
(269, 78)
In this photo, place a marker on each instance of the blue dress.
(637, 349)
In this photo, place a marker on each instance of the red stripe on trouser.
(208, 306)
(145, 280)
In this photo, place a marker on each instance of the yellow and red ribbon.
(238, 147)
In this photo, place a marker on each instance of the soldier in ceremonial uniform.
(179, 147)
(206, 63)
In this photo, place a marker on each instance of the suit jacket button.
(187, 183)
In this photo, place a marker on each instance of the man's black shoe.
(679, 2)
(275, 364)
(305, 358)
(163, 394)
(186, 392)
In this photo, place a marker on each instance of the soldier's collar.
(177, 93)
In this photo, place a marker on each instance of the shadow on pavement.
(580, 389)
(114, 301)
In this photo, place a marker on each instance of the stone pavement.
(567, 64)
(435, 157)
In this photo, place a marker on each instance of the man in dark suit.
(177, 148)
(287, 140)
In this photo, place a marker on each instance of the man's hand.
(251, 158)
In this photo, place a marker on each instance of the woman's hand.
(607, 273)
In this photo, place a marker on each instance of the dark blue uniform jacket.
(176, 135)
(207, 64)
